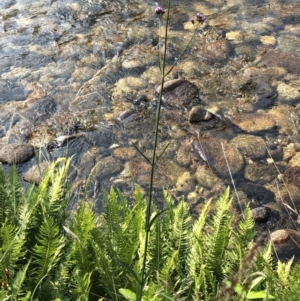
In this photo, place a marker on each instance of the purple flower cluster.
(159, 10)
(200, 18)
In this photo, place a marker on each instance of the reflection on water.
(70, 67)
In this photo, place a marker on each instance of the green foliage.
(30, 231)
(45, 254)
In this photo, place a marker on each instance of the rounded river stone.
(217, 50)
(198, 113)
(280, 236)
(253, 122)
(16, 153)
(286, 244)
(36, 173)
(250, 146)
(261, 214)
(217, 153)
(180, 93)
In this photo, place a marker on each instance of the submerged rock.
(285, 244)
(107, 166)
(217, 51)
(217, 153)
(261, 214)
(280, 236)
(207, 179)
(198, 113)
(125, 153)
(284, 60)
(16, 153)
(250, 146)
(260, 173)
(256, 192)
(253, 122)
(255, 86)
(36, 173)
(40, 110)
(170, 85)
(180, 93)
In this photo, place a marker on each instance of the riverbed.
(88, 70)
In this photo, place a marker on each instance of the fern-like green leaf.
(12, 242)
(13, 189)
(17, 289)
(217, 240)
(3, 195)
(284, 271)
(48, 248)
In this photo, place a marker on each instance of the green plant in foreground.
(30, 234)
(45, 254)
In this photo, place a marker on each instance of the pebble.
(181, 94)
(295, 161)
(124, 153)
(126, 116)
(285, 117)
(257, 192)
(284, 60)
(286, 244)
(280, 236)
(170, 85)
(234, 36)
(107, 166)
(288, 152)
(268, 40)
(217, 50)
(261, 214)
(292, 176)
(16, 153)
(198, 113)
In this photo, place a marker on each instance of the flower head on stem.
(200, 18)
(159, 10)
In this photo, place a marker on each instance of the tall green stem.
(153, 161)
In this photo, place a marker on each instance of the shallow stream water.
(90, 69)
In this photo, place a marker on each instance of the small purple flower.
(159, 10)
(200, 18)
